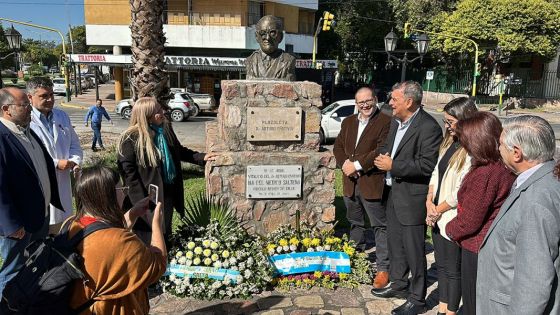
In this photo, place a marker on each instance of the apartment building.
(207, 40)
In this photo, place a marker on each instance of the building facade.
(207, 40)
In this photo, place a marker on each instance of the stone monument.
(272, 165)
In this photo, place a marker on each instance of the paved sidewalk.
(342, 301)
(87, 99)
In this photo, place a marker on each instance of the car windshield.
(58, 81)
(328, 108)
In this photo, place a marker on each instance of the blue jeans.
(12, 252)
(96, 127)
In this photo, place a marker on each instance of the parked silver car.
(202, 102)
(180, 107)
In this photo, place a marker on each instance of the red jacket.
(482, 193)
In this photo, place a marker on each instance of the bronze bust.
(269, 62)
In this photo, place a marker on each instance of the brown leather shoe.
(381, 280)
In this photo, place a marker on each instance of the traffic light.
(407, 30)
(478, 69)
(328, 20)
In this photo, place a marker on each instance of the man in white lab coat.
(57, 134)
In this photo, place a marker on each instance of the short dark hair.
(96, 195)
(480, 136)
(36, 83)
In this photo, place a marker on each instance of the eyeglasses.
(447, 122)
(271, 33)
(366, 102)
(24, 105)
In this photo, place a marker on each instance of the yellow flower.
(342, 276)
(329, 241)
(270, 247)
(348, 249)
(317, 274)
(294, 241)
(315, 242)
(306, 242)
(283, 242)
(337, 240)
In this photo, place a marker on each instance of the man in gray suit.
(518, 263)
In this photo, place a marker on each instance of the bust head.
(269, 33)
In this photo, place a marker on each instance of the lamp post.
(14, 42)
(391, 43)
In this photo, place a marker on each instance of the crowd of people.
(40, 153)
(490, 191)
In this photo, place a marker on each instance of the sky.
(56, 14)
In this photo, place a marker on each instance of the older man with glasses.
(355, 149)
(27, 183)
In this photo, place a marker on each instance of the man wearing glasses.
(27, 183)
(269, 62)
(55, 130)
(355, 149)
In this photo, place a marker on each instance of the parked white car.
(180, 107)
(59, 86)
(332, 117)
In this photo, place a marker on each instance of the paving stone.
(328, 312)
(273, 312)
(273, 302)
(352, 311)
(343, 297)
(309, 301)
(301, 312)
(365, 291)
(379, 307)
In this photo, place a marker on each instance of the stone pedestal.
(226, 177)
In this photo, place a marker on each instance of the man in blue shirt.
(96, 113)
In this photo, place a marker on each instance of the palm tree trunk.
(149, 77)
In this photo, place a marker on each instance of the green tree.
(5, 50)
(528, 27)
(79, 39)
(39, 51)
(419, 12)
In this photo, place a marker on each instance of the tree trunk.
(149, 77)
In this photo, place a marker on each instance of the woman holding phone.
(150, 153)
(119, 267)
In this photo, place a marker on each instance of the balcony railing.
(196, 18)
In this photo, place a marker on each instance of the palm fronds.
(203, 209)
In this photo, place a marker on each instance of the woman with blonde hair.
(441, 204)
(150, 153)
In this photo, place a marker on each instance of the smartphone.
(153, 196)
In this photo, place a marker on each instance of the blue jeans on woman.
(96, 127)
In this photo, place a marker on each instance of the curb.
(72, 105)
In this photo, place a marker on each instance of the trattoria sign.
(224, 62)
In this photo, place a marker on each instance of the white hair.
(533, 135)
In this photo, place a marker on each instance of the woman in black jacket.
(150, 153)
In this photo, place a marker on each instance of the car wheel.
(322, 139)
(177, 115)
(195, 110)
(126, 112)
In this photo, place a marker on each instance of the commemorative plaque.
(274, 123)
(274, 181)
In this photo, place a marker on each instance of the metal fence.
(523, 84)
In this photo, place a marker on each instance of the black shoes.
(409, 308)
(94, 149)
(389, 292)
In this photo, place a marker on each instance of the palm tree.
(149, 77)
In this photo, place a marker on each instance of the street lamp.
(391, 43)
(14, 42)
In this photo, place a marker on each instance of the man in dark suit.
(270, 62)
(355, 149)
(27, 183)
(409, 157)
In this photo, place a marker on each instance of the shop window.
(256, 12)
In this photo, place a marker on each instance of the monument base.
(269, 181)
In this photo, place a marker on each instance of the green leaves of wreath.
(203, 208)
